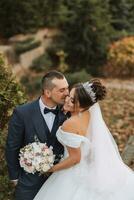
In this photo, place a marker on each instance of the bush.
(19, 17)
(11, 94)
(6, 189)
(53, 58)
(24, 46)
(76, 77)
(26, 41)
(42, 63)
(32, 84)
(121, 59)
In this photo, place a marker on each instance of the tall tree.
(131, 15)
(86, 33)
(120, 12)
(19, 16)
(53, 12)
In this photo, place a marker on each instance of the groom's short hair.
(47, 83)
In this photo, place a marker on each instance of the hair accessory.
(89, 90)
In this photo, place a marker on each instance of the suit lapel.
(55, 125)
(56, 122)
(43, 133)
(39, 123)
(59, 119)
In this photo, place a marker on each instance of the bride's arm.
(73, 158)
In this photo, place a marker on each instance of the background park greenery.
(95, 38)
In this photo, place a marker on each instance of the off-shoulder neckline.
(71, 133)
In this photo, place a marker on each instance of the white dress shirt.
(49, 117)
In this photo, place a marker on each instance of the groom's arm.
(14, 143)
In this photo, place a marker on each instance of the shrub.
(42, 63)
(121, 59)
(32, 84)
(24, 46)
(19, 17)
(80, 76)
(26, 41)
(11, 94)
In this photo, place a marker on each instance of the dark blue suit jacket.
(26, 122)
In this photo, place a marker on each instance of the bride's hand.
(50, 170)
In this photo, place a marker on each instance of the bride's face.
(69, 102)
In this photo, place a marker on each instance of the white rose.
(50, 159)
(45, 167)
(38, 168)
(47, 151)
(36, 148)
(37, 159)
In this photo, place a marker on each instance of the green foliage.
(32, 84)
(42, 63)
(6, 189)
(19, 17)
(130, 16)
(26, 16)
(119, 11)
(11, 95)
(26, 41)
(76, 77)
(85, 34)
(54, 12)
(122, 15)
(22, 47)
(51, 59)
(63, 67)
(87, 27)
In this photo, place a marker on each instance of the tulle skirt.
(68, 184)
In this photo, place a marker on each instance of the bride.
(91, 168)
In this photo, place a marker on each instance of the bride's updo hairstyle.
(89, 93)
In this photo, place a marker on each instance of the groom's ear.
(47, 93)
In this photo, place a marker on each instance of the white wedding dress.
(101, 173)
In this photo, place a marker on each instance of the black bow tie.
(54, 111)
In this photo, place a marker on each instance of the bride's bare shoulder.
(71, 125)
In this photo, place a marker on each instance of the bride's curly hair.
(83, 96)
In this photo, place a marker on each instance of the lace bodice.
(73, 140)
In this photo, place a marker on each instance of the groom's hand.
(14, 182)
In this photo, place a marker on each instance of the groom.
(40, 118)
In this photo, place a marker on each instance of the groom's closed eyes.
(63, 89)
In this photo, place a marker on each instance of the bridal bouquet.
(36, 157)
